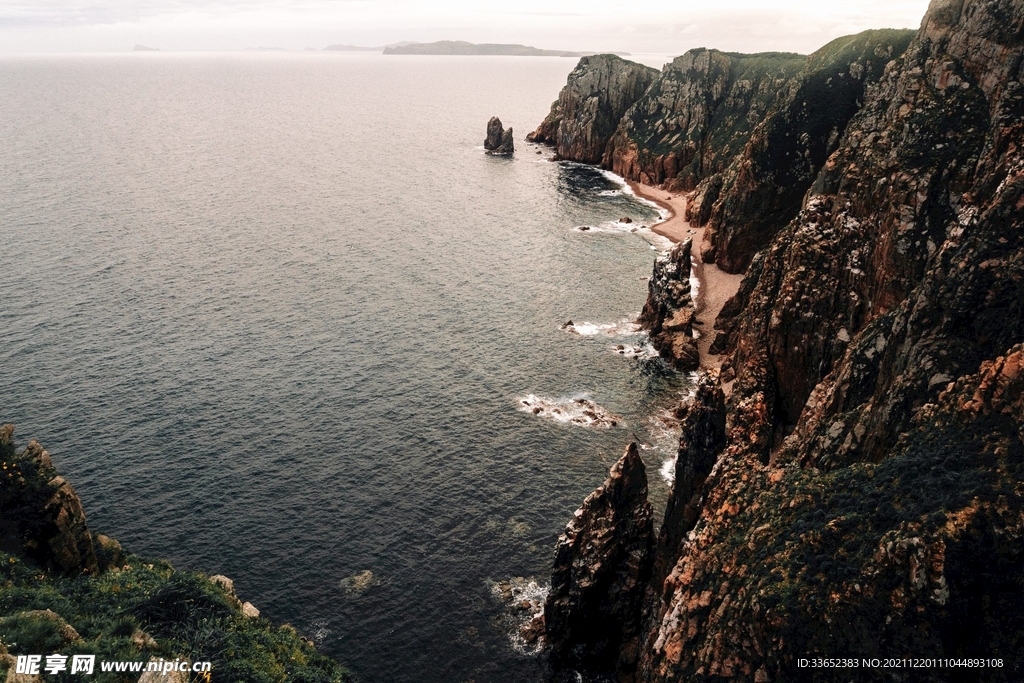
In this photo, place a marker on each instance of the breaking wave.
(575, 410)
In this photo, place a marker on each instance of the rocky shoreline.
(850, 479)
(714, 286)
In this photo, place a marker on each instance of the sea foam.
(577, 410)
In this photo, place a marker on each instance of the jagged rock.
(760, 191)
(224, 582)
(668, 312)
(40, 511)
(602, 562)
(702, 425)
(249, 610)
(499, 141)
(142, 640)
(697, 115)
(494, 131)
(596, 95)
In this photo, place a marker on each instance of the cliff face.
(865, 496)
(697, 116)
(761, 190)
(668, 312)
(602, 563)
(596, 95)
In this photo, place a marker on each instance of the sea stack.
(602, 563)
(499, 141)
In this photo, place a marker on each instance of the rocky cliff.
(596, 95)
(760, 191)
(859, 493)
(697, 116)
(40, 513)
(748, 132)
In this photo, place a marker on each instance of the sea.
(278, 316)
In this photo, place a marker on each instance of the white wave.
(626, 189)
(642, 351)
(577, 410)
(694, 280)
(618, 226)
(668, 470)
(623, 328)
(663, 430)
(524, 601)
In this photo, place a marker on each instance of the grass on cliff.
(149, 610)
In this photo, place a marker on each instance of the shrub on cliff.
(136, 610)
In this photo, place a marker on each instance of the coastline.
(716, 286)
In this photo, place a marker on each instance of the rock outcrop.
(860, 491)
(596, 95)
(602, 563)
(499, 141)
(40, 513)
(697, 116)
(668, 312)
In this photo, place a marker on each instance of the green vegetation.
(96, 601)
(149, 610)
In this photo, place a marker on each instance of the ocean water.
(275, 315)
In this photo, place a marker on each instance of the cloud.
(664, 26)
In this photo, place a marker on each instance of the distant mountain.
(358, 48)
(143, 48)
(461, 47)
(352, 48)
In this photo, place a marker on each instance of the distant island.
(341, 47)
(352, 48)
(461, 47)
(143, 48)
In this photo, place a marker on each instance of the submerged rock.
(578, 411)
(602, 561)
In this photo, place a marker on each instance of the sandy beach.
(716, 286)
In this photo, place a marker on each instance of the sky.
(655, 26)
